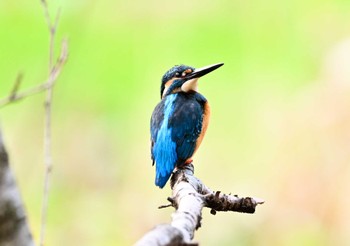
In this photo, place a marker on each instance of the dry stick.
(41, 87)
(48, 114)
(189, 197)
(54, 72)
(14, 96)
(16, 85)
(47, 136)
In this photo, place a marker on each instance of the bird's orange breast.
(205, 123)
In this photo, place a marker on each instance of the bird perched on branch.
(179, 121)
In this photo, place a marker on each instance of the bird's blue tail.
(162, 180)
(165, 159)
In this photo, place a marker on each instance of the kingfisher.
(179, 121)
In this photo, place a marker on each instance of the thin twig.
(46, 13)
(48, 113)
(54, 72)
(53, 29)
(48, 163)
(16, 85)
(41, 87)
(165, 206)
(31, 91)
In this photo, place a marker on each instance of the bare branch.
(46, 13)
(222, 202)
(53, 29)
(55, 72)
(48, 114)
(32, 91)
(165, 206)
(189, 197)
(16, 85)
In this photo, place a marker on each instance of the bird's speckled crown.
(171, 74)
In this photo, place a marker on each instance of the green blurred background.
(280, 126)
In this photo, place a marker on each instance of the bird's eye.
(177, 74)
(187, 71)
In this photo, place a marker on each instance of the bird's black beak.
(203, 71)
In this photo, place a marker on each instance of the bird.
(179, 121)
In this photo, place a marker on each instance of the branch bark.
(189, 196)
(14, 230)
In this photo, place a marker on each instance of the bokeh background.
(280, 127)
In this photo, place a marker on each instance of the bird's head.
(183, 78)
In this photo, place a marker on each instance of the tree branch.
(16, 86)
(55, 72)
(48, 113)
(14, 230)
(189, 196)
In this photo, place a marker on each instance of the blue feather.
(186, 123)
(176, 124)
(164, 149)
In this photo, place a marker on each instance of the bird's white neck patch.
(190, 85)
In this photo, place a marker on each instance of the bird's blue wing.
(176, 124)
(186, 124)
(163, 147)
(156, 121)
